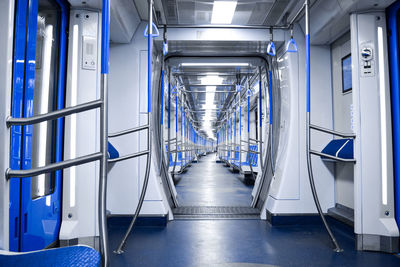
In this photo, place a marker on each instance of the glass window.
(46, 66)
(346, 74)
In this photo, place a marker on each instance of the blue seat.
(236, 161)
(57, 257)
(171, 158)
(112, 152)
(228, 156)
(342, 148)
(253, 157)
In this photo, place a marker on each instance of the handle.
(271, 50)
(146, 34)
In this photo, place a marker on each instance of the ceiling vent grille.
(276, 12)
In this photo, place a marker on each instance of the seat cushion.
(342, 148)
(66, 256)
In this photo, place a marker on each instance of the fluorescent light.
(209, 106)
(383, 115)
(211, 80)
(74, 97)
(209, 88)
(42, 150)
(210, 96)
(223, 12)
(221, 64)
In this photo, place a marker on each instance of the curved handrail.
(271, 49)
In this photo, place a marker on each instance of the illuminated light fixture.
(210, 97)
(47, 47)
(223, 12)
(74, 100)
(220, 64)
(382, 96)
(209, 106)
(210, 88)
(211, 80)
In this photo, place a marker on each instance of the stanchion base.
(119, 251)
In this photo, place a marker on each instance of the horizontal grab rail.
(128, 131)
(181, 150)
(53, 166)
(54, 114)
(325, 130)
(255, 140)
(130, 156)
(331, 157)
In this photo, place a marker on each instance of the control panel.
(367, 63)
(89, 46)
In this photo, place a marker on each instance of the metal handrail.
(128, 131)
(244, 141)
(331, 157)
(54, 114)
(256, 140)
(129, 156)
(251, 151)
(53, 166)
(181, 150)
(325, 130)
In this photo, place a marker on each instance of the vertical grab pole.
(176, 131)
(182, 136)
(271, 130)
(169, 118)
(248, 121)
(308, 132)
(248, 128)
(162, 121)
(230, 139)
(260, 115)
(240, 130)
(105, 36)
(234, 138)
(149, 132)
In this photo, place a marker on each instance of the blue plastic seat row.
(342, 148)
(180, 161)
(236, 160)
(253, 157)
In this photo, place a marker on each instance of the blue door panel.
(34, 223)
(17, 106)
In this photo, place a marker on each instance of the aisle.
(245, 243)
(208, 183)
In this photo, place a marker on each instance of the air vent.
(171, 12)
(259, 13)
(186, 12)
(276, 11)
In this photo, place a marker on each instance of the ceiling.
(199, 12)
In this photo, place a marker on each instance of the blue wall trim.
(105, 36)
(393, 28)
(248, 113)
(169, 105)
(162, 98)
(270, 96)
(260, 101)
(308, 80)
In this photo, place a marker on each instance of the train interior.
(199, 133)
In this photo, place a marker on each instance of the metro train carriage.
(199, 133)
